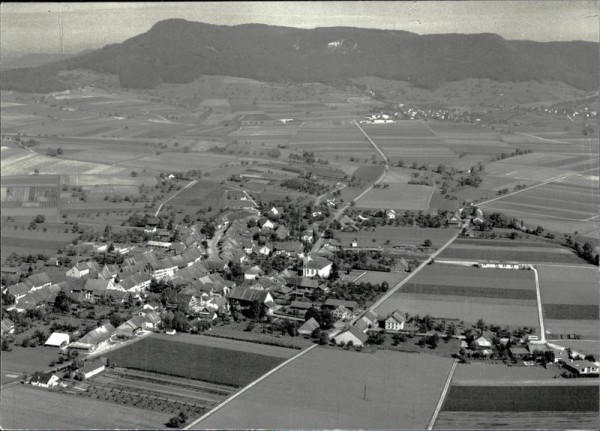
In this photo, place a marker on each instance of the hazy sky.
(28, 28)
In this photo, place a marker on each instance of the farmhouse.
(341, 313)
(275, 211)
(38, 298)
(133, 327)
(44, 380)
(39, 280)
(288, 248)
(581, 368)
(82, 269)
(357, 335)
(159, 244)
(253, 273)
(519, 352)
(267, 224)
(394, 322)
(317, 267)
(8, 326)
(483, 343)
(151, 224)
(136, 282)
(95, 339)
(390, 214)
(19, 290)
(109, 272)
(58, 339)
(308, 327)
(300, 306)
(91, 368)
(247, 296)
(332, 304)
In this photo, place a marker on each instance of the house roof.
(396, 315)
(93, 284)
(519, 350)
(57, 339)
(318, 263)
(95, 336)
(309, 283)
(7, 324)
(302, 305)
(309, 326)
(39, 279)
(40, 377)
(289, 246)
(351, 305)
(19, 289)
(90, 366)
(358, 333)
(249, 295)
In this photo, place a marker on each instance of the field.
(24, 407)
(27, 242)
(214, 360)
(517, 251)
(28, 360)
(517, 420)
(569, 293)
(580, 398)
(314, 391)
(376, 277)
(397, 196)
(396, 236)
(501, 297)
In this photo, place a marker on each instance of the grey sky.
(27, 27)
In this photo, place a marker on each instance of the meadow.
(387, 236)
(397, 196)
(299, 397)
(228, 362)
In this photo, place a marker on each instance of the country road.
(190, 184)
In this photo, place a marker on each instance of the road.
(190, 184)
(542, 338)
(212, 250)
(442, 396)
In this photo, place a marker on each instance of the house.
(19, 290)
(8, 326)
(94, 287)
(581, 368)
(109, 272)
(483, 343)
(10, 272)
(308, 327)
(348, 225)
(44, 380)
(317, 267)
(58, 339)
(275, 211)
(133, 327)
(357, 335)
(519, 352)
(95, 339)
(390, 214)
(341, 313)
(455, 219)
(264, 250)
(91, 368)
(253, 273)
(288, 248)
(394, 322)
(39, 280)
(136, 282)
(82, 269)
(159, 244)
(245, 296)
(38, 298)
(332, 304)
(268, 224)
(301, 307)
(151, 224)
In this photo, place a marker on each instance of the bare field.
(299, 397)
(568, 285)
(397, 196)
(24, 407)
(516, 253)
(517, 420)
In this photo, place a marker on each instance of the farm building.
(109, 272)
(44, 380)
(11, 272)
(18, 290)
(483, 343)
(267, 224)
(95, 339)
(289, 248)
(247, 296)
(275, 211)
(8, 326)
(39, 280)
(316, 267)
(357, 335)
(519, 352)
(253, 273)
(332, 304)
(159, 244)
(38, 298)
(136, 282)
(371, 319)
(300, 306)
(394, 322)
(341, 313)
(82, 269)
(91, 368)
(308, 327)
(258, 119)
(581, 368)
(58, 339)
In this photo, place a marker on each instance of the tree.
(6, 345)
(427, 243)
(116, 319)
(314, 313)
(62, 303)
(39, 218)
(433, 341)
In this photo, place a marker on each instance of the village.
(265, 274)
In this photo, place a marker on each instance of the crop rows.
(482, 292)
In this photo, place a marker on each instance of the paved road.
(212, 250)
(542, 338)
(443, 396)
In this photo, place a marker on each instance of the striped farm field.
(397, 196)
(400, 128)
(505, 251)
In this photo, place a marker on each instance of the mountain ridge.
(179, 51)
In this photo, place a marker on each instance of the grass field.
(397, 196)
(314, 391)
(588, 329)
(505, 252)
(24, 407)
(376, 277)
(28, 359)
(520, 399)
(204, 358)
(396, 236)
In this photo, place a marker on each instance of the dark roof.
(334, 303)
(39, 279)
(152, 221)
(96, 336)
(318, 263)
(309, 326)
(19, 289)
(308, 282)
(303, 305)
(40, 377)
(93, 284)
(248, 295)
(92, 365)
(7, 324)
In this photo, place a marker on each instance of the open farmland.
(387, 236)
(227, 362)
(28, 242)
(24, 407)
(468, 294)
(299, 397)
(397, 196)
(517, 420)
(517, 251)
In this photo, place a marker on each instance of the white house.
(390, 214)
(483, 343)
(91, 368)
(275, 211)
(395, 321)
(317, 267)
(81, 269)
(264, 250)
(357, 335)
(581, 368)
(44, 380)
(268, 224)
